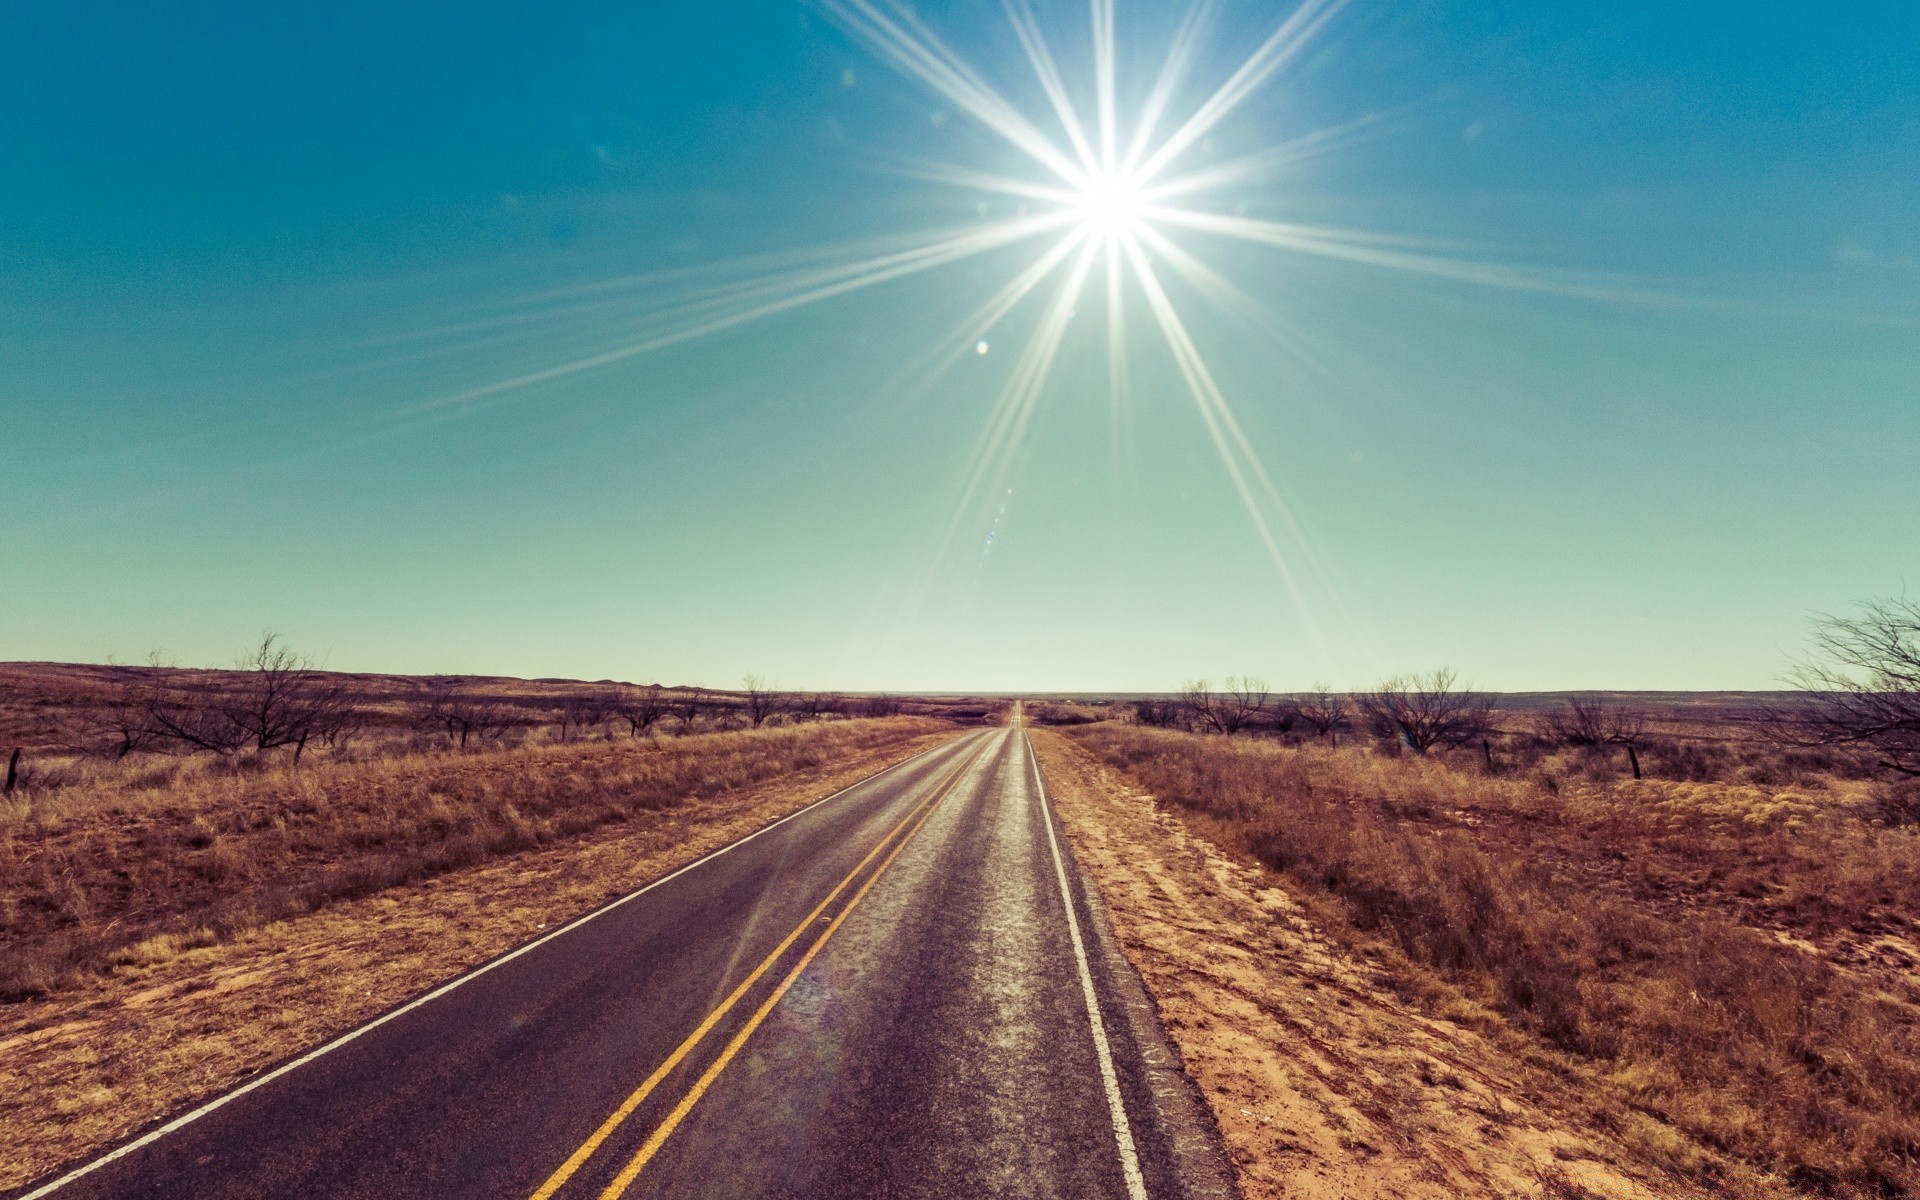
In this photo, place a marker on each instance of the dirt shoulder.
(82, 1070)
(1324, 1082)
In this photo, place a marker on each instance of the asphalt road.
(903, 991)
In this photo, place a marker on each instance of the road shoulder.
(1322, 1082)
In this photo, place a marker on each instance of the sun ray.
(853, 278)
(993, 455)
(1233, 302)
(1228, 440)
(1105, 102)
(1208, 393)
(985, 181)
(1379, 250)
(1251, 168)
(1287, 41)
(1173, 69)
(1118, 392)
(1027, 30)
(972, 332)
(903, 40)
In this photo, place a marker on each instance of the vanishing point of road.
(905, 990)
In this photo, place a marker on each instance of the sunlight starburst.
(1110, 193)
(1117, 187)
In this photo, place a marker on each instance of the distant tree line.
(1422, 712)
(277, 699)
(1858, 689)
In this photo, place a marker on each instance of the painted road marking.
(658, 1138)
(619, 1115)
(1122, 1131)
(222, 1101)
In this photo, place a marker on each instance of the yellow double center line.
(911, 824)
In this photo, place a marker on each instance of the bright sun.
(1111, 206)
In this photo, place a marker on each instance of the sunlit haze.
(961, 346)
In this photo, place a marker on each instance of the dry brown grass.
(174, 1021)
(1687, 945)
(1326, 1084)
(148, 861)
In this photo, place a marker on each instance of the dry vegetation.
(1722, 954)
(96, 876)
(161, 809)
(84, 1066)
(204, 871)
(1325, 1083)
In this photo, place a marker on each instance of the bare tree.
(881, 705)
(815, 705)
(583, 712)
(1862, 680)
(1425, 711)
(687, 706)
(1591, 723)
(760, 701)
(1159, 712)
(1325, 711)
(280, 699)
(124, 723)
(190, 710)
(461, 715)
(641, 708)
(1229, 711)
(341, 726)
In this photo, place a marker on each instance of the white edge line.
(219, 1102)
(1122, 1131)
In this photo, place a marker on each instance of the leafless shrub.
(760, 701)
(1324, 711)
(582, 713)
(124, 723)
(641, 708)
(881, 705)
(688, 705)
(1228, 711)
(463, 717)
(281, 699)
(1063, 714)
(1862, 685)
(1159, 712)
(1591, 723)
(339, 727)
(812, 706)
(1427, 711)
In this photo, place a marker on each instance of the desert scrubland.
(1675, 949)
(175, 918)
(1411, 942)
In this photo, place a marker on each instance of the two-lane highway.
(901, 991)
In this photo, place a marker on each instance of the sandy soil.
(81, 1071)
(1324, 1083)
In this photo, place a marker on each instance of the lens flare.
(1109, 198)
(1111, 206)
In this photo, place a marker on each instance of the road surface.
(903, 991)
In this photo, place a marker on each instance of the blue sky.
(263, 270)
